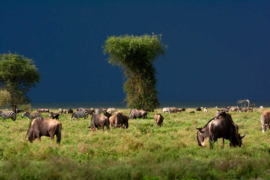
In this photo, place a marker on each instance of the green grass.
(143, 151)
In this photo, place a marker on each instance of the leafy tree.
(5, 98)
(136, 55)
(17, 75)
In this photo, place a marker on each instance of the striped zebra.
(79, 114)
(31, 115)
(7, 115)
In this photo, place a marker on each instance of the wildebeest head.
(240, 139)
(202, 136)
(31, 136)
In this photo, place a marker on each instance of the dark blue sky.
(216, 50)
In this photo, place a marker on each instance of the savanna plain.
(143, 151)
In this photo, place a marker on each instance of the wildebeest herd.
(220, 126)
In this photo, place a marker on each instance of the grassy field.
(143, 151)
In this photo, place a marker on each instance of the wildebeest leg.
(51, 135)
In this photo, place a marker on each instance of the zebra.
(7, 115)
(79, 114)
(31, 115)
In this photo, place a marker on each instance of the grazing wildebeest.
(166, 109)
(107, 114)
(173, 110)
(192, 112)
(159, 120)
(205, 109)
(265, 120)
(60, 111)
(179, 110)
(134, 113)
(43, 110)
(44, 127)
(111, 110)
(112, 120)
(183, 109)
(121, 120)
(70, 111)
(7, 115)
(54, 115)
(99, 120)
(234, 108)
(222, 127)
(79, 114)
(31, 115)
(198, 109)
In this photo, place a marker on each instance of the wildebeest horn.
(197, 128)
(243, 135)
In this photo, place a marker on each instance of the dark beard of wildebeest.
(99, 120)
(134, 113)
(121, 120)
(44, 127)
(79, 114)
(221, 127)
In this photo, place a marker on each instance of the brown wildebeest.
(64, 111)
(159, 120)
(173, 110)
(183, 109)
(121, 120)
(265, 120)
(54, 115)
(99, 120)
(179, 110)
(43, 110)
(112, 120)
(134, 113)
(107, 114)
(198, 109)
(44, 127)
(192, 112)
(222, 127)
(70, 111)
(60, 111)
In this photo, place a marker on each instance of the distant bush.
(25, 107)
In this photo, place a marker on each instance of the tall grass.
(144, 151)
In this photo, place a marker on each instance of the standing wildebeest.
(79, 114)
(198, 109)
(134, 113)
(234, 108)
(43, 110)
(107, 114)
(158, 120)
(173, 110)
(7, 115)
(99, 120)
(265, 120)
(179, 110)
(166, 109)
(205, 109)
(222, 127)
(31, 115)
(183, 109)
(64, 111)
(44, 127)
(70, 111)
(192, 112)
(121, 120)
(112, 120)
(54, 115)
(60, 111)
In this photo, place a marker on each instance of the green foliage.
(136, 55)
(25, 107)
(4, 98)
(17, 75)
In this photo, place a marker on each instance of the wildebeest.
(134, 113)
(99, 120)
(79, 114)
(166, 109)
(44, 127)
(54, 115)
(31, 115)
(7, 115)
(234, 108)
(97, 111)
(183, 109)
(18, 111)
(222, 127)
(70, 111)
(178, 110)
(43, 110)
(111, 110)
(265, 120)
(173, 110)
(121, 120)
(198, 109)
(158, 120)
(112, 120)
(205, 109)
(64, 111)
(60, 111)
(107, 114)
(192, 112)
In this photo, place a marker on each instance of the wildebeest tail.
(59, 127)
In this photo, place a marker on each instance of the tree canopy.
(136, 55)
(17, 75)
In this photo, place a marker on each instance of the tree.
(136, 55)
(5, 98)
(17, 75)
